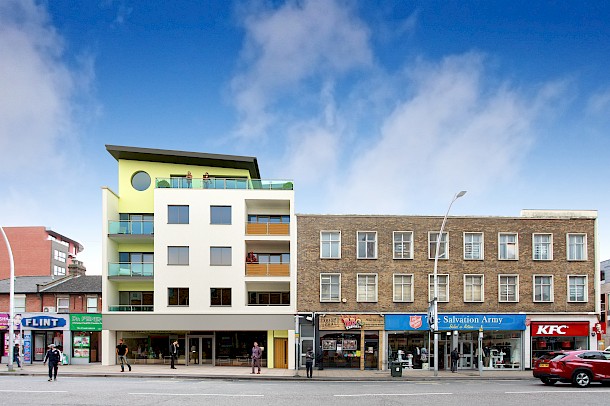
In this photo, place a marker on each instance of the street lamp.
(11, 318)
(435, 298)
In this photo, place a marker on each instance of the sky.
(370, 107)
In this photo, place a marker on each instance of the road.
(35, 390)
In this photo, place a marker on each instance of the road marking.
(195, 394)
(558, 391)
(33, 391)
(396, 394)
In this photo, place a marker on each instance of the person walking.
(455, 356)
(53, 357)
(173, 351)
(121, 352)
(309, 362)
(256, 357)
(17, 355)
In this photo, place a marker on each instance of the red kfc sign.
(559, 329)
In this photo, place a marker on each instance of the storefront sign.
(469, 322)
(4, 321)
(559, 329)
(43, 322)
(86, 322)
(351, 322)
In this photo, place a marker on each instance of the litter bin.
(396, 369)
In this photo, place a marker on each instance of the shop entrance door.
(40, 346)
(200, 350)
(466, 348)
(371, 351)
(280, 352)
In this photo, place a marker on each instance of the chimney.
(76, 268)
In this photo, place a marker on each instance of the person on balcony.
(206, 180)
(251, 258)
(189, 180)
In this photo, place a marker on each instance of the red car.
(579, 367)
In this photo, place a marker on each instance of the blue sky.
(384, 107)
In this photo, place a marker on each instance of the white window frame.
(330, 243)
(431, 288)
(481, 246)
(17, 305)
(367, 276)
(550, 256)
(584, 247)
(502, 299)
(402, 289)
(516, 244)
(482, 298)
(432, 251)
(402, 242)
(59, 256)
(586, 289)
(59, 270)
(330, 298)
(90, 308)
(366, 242)
(552, 292)
(63, 309)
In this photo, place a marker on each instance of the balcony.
(131, 308)
(267, 228)
(130, 270)
(258, 269)
(223, 183)
(140, 231)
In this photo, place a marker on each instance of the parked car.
(578, 367)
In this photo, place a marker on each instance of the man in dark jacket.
(173, 351)
(53, 357)
(455, 356)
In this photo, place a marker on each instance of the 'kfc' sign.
(573, 329)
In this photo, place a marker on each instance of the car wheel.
(581, 379)
(547, 381)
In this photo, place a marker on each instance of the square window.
(220, 215)
(443, 287)
(367, 288)
(577, 288)
(177, 214)
(473, 246)
(220, 256)
(367, 244)
(177, 255)
(330, 287)
(508, 288)
(508, 246)
(403, 288)
(577, 247)
(330, 244)
(178, 296)
(403, 244)
(543, 288)
(443, 248)
(220, 296)
(543, 247)
(473, 288)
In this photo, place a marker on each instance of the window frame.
(91, 307)
(59, 256)
(222, 290)
(330, 243)
(585, 290)
(330, 298)
(222, 255)
(516, 244)
(411, 292)
(179, 213)
(367, 275)
(212, 222)
(482, 298)
(584, 252)
(481, 245)
(500, 299)
(62, 309)
(59, 270)
(431, 254)
(366, 242)
(188, 253)
(18, 299)
(188, 298)
(431, 287)
(394, 242)
(550, 245)
(552, 289)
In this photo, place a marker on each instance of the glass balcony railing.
(132, 269)
(131, 308)
(141, 227)
(223, 183)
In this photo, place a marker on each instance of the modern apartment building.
(526, 285)
(197, 248)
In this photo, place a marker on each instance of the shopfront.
(41, 329)
(550, 336)
(86, 335)
(351, 341)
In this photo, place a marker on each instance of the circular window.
(140, 181)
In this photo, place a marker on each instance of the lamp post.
(11, 318)
(435, 298)
(480, 352)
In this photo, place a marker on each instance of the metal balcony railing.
(131, 269)
(128, 227)
(223, 183)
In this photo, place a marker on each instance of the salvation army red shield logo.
(415, 322)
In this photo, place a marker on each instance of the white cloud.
(599, 103)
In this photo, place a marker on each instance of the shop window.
(330, 244)
(473, 288)
(403, 244)
(577, 288)
(543, 288)
(330, 287)
(443, 248)
(508, 288)
(367, 244)
(403, 288)
(508, 246)
(443, 288)
(63, 305)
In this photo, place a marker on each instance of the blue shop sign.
(456, 322)
(42, 322)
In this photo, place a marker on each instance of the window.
(543, 247)
(330, 287)
(59, 256)
(63, 305)
(279, 219)
(220, 296)
(508, 246)
(443, 248)
(367, 288)
(473, 288)
(220, 256)
(577, 247)
(367, 244)
(177, 214)
(177, 255)
(220, 214)
(269, 298)
(577, 288)
(403, 245)
(543, 288)
(178, 296)
(136, 300)
(443, 287)
(140, 181)
(330, 244)
(508, 288)
(473, 245)
(403, 288)
(19, 303)
(91, 304)
(59, 270)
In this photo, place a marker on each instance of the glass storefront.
(343, 350)
(558, 336)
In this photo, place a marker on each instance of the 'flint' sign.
(42, 322)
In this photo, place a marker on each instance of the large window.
(330, 287)
(508, 288)
(91, 304)
(136, 300)
(577, 247)
(177, 214)
(577, 288)
(59, 256)
(443, 248)
(220, 296)
(220, 214)
(330, 244)
(543, 288)
(543, 247)
(367, 244)
(473, 288)
(403, 288)
(268, 298)
(403, 244)
(473, 245)
(177, 255)
(443, 287)
(59, 270)
(508, 246)
(367, 288)
(178, 296)
(63, 305)
(220, 256)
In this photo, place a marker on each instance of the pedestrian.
(320, 359)
(173, 351)
(121, 352)
(189, 180)
(17, 355)
(53, 357)
(309, 362)
(256, 357)
(486, 353)
(455, 356)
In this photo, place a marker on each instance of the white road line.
(32, 391)
(557, 391)
(395, 394)
(195, 394)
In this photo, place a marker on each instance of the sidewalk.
(222, 372)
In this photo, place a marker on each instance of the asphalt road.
(32, 390)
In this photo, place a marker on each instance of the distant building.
(604, 291)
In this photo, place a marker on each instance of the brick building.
(528, 283)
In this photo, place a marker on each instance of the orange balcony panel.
(267, 269)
